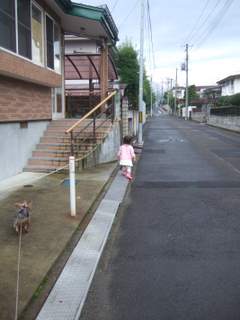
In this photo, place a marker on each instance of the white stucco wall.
(228, 89)
(17, 144)
(109, 148)
(199, 116)
(80, 46)
(236, 86)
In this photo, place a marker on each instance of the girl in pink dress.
(126, 156)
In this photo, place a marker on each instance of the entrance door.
(57, 104)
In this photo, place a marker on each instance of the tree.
(192, 93)
(128, 69)
(147, 92)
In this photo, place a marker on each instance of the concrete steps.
(53, 150)
(60, 146)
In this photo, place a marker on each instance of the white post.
(186, 93)
(72, 186)
(175, 96)
(141, 63)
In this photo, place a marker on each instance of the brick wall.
(19, 68)
(21, 100)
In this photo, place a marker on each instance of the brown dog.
(22, 220)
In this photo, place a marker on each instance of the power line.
(218, 18)
(189, 37)
(115, 4)
(201, 26)
(151, 34)
(149, 43)
(129, 13)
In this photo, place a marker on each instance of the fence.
(225, 111)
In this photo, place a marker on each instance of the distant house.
(230, 85)
(179, 92)
(200, 90)
(212, 93)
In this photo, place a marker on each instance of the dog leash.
(18, 273)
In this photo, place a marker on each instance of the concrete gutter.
(67, 297)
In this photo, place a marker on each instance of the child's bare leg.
(124, 170)
(129, 173)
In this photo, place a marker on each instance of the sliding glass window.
(24, 28)
(37, 35)
(7, 25)
(23, 31)
(50, 44)
(57, 49)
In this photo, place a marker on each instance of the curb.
(35, 303)
(68, 295)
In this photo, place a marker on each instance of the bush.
(233, 100)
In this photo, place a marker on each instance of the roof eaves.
(235, 76)
(100, 14)
(64, 4)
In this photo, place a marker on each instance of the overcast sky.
(174, 23)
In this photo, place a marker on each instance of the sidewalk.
(52, 229)
(67, 298)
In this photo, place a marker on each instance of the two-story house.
(178, 92)
(230, 85)
(32, 90)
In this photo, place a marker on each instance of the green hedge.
(233, 100)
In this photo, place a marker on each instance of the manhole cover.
(66, 182)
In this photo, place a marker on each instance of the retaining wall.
(107, 151)
(17, 144)
(230, 123)
(199, 116)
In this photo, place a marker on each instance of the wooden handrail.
(90, 112)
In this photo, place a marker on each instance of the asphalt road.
(174, 251)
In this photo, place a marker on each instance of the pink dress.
(125, 155)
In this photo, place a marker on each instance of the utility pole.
(175, 97)
(140, 99)
(168, 95)
(186, 92)
(151, 112)
(170, 86)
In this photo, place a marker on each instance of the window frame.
(13, 20)
(33, 3)
(56, 25)
(44, 15)
(60, 42)
(17, 31)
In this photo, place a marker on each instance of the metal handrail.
(90, 112)
(93, 121)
